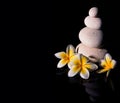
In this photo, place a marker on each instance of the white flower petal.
(70, 65)
(103, 70)
(94, 67)
(60, 55)
(113, 63)
(103, 63)
(70, 50)
(91, 66)
(73, 71)
(83, 59)
(75, 60)
(84, 74)
(108, 58)
(62, 63)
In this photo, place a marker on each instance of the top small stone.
(93, 12)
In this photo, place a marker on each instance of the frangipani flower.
(107, 63)
(80, 63)
(65, 57)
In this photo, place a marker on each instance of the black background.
(67, 20)
(34, 32)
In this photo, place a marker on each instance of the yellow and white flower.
(80, 63)
(107, 63)
(65, 57)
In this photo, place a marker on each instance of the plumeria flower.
(81, 64)
(65, 56)
(107, 63)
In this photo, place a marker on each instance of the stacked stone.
(91, 37)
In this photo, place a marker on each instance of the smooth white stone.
(94, 23)
(93, 12)
(91, 37)
(94, 54)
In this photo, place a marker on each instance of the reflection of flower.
(65, 57)
(80, 63)
(107, 63)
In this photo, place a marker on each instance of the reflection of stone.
(96, 89)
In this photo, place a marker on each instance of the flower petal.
(70, 50)
(70, 65)
(61, 55)
(75, 60)
(103, 70)
(103, 63)
(73, 71)
(83, 59)
(84, 73)
(113, 63)
(62, 63)
(108, 58)
(108, 67)
(91, 66)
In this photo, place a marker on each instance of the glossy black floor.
(74, 90)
